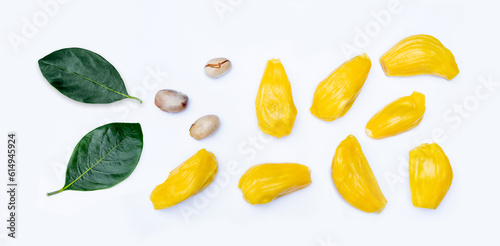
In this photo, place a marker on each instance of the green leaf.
(104, 157)
(83, 76)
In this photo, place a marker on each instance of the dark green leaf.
(104, 157)
(84, 76)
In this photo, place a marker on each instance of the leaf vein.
(70, 184)
(97, 83)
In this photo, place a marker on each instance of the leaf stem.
(131, 97)
(55, 192)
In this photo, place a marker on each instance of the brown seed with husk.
(217, 67)
(204, 126)
(171, 101)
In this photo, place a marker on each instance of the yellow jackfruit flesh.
(419, 54)
(276, 111)
(430, 175)
(354, 178)
(335, 95)
(397, 117)
(265, 182)
(191, 177)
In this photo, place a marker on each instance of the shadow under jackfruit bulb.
(397, 117)
(274, 105)
(189, 178)
(335, 95)
(417, 55)
(354, 178)
(430, 175)
(263, 183)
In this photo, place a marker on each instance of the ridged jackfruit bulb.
(397, 117)
(274, 105)
(430, 175)
(265, 182)
(354, 178)
(417, 55)
(335, 95)
(191, 177)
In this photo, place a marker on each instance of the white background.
(176, 38)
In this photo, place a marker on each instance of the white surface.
(178, 37)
